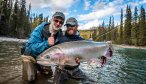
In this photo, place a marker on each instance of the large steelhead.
(66, 53)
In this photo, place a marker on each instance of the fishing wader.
(30, 68)
(29, 71)
(62, 75)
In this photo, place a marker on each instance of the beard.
(52, 27)
(71, 32)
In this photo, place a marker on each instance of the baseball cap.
(59, 14)
(71, 21)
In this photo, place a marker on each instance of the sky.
(89, 13)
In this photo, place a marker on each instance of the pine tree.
(94, 34)
(9, 11)
(4, 18)
(142, 28)
(40, 18)
(103, 32)
(109, 29)
(27, 22)
(134, 30)
(127, 27)
(99, 33)
(13, 17)
(1, 17)
(35, 22)
(22, 19)
(14, 21)
(121, 28)
(113, 30)
(46, 19)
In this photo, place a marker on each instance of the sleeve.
(37, 46)
(36, 43)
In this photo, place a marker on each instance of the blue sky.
(89, 13)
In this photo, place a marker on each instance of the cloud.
(89, 24)
(49, 7)
(144, 1)
(34, 3)
(97, 14)
(98, 6)
(52, 5)
(99, 9)
(86, 4)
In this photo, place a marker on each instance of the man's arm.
(36, 43)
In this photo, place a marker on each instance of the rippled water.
(127, 66)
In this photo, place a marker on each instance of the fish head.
(55, 56)
(51, 56)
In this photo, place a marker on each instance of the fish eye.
(47, 56)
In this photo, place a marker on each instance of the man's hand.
(77, 60)
(51, 40)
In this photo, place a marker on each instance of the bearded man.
(42, 37)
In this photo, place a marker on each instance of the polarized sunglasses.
(69, 25)
(60, 22)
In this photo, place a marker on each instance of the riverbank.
(8, 39)
(130, 46)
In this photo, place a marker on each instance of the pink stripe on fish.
(57, 56)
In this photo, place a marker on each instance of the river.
(127, 66)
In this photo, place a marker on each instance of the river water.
(127, 66)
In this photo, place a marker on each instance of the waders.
(29, 71)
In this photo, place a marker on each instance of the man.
(72, 33)
(42, 37)
(61, 75)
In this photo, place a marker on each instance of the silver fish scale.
(84, 50)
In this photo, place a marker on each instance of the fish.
(67, 53)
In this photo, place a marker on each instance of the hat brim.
(59, 16)
(70, 23)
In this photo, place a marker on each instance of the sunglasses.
(68, 25)
(60, 22)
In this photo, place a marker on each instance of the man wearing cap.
(42, 37)
(71, 34)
